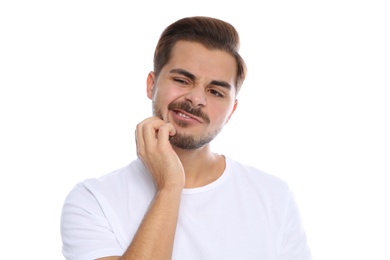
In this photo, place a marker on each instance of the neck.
(201, 166)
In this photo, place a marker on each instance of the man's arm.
(154, 237)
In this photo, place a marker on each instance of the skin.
(204, 79)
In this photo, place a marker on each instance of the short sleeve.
(85, 232)
(295, 246)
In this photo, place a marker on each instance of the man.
(179, 200)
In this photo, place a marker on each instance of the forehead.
(203, 62)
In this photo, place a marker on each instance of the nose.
(196, 96)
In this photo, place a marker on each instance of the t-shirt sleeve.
(86, 233)
(294, 246)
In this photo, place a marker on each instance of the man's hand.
(155, 150)
(154, 237)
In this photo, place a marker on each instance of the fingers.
(157, 154)
(153, 133)
(165, 131)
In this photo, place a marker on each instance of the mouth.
(186, 116)
(185, 113)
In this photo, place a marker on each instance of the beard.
(188, 142)
(185, 141)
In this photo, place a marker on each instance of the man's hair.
(210, 32)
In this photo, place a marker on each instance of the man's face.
(195, 92)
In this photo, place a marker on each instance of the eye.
(181, 81)
(216, 93)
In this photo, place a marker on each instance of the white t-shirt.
(245, 214)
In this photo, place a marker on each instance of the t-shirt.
(244, 214)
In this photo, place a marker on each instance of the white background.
(314, 109)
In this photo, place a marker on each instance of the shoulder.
(119, 177)
(255, 183)
(114, 183)
(255, 175)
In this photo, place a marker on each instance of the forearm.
(155, 236)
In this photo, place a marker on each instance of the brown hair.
(211, 32)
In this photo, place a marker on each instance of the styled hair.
(210, 32)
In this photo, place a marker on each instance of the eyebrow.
(191, 76)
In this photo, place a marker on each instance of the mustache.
(186, 107)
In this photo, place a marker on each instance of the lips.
(185, 115)
(185, 111)
(182, 114)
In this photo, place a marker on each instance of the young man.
(179, 200)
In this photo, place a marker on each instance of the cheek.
(168, 96)
(163, 97)
(220, 118)
(164, 100)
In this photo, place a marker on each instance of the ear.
(234, 109)
(150, 81)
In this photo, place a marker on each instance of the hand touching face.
(155, 150)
